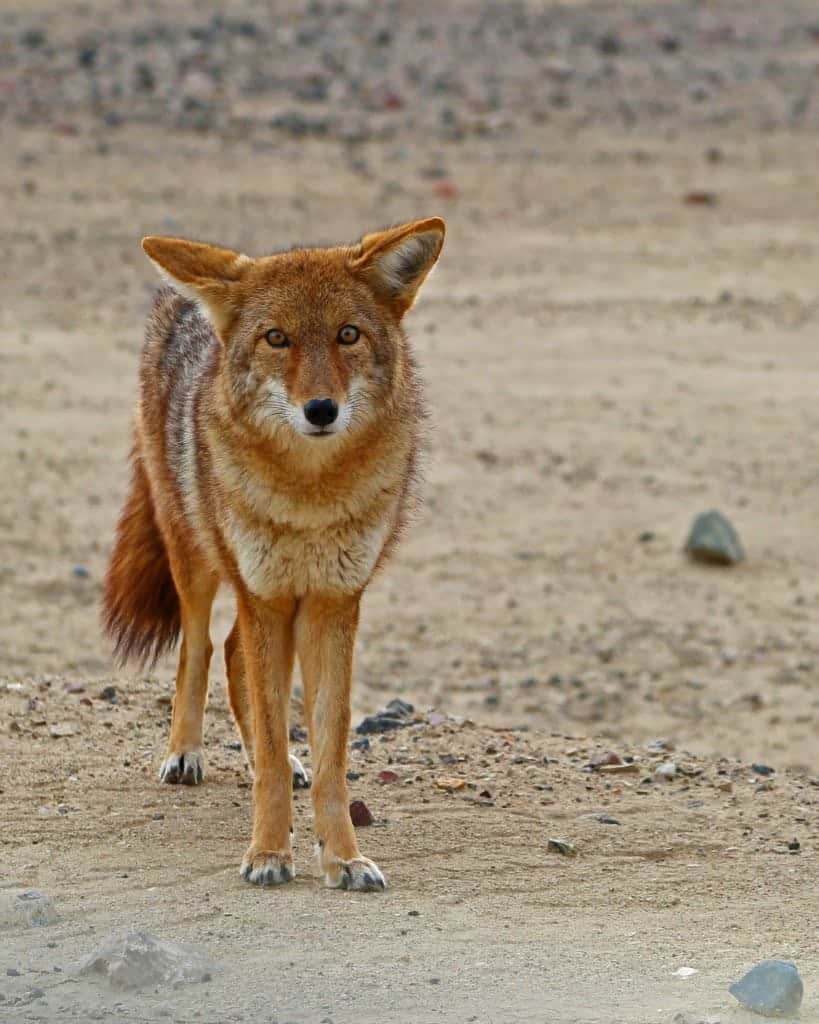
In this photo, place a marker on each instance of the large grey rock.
(772, 988)
(139, 960)
(713, 539)
(21, 908)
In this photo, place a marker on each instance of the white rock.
(139, 960)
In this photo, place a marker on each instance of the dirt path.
(605, 360)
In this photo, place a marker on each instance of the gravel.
(351, 72)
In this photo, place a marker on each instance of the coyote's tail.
(140, 605)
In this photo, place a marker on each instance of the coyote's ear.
(201, 272)
(395, 262)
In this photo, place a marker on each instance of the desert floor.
(604, 360)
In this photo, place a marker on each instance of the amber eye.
(348, 335)
(277, 339)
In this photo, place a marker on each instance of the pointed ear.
(395, 262)
(202, 272)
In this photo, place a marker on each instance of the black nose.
(320, 411)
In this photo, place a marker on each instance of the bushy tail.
(140, 605)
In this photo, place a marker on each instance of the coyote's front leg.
(267, 646)
(325, 637)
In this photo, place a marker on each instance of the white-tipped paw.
(182, 769)
(358, 875)
(268, 868)
(301, 780)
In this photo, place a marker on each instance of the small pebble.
(360, 814)
(712, 538)
(606, 757)
(665, 772)
(562, 847)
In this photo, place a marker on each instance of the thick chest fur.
(272, 559)
(289, 539)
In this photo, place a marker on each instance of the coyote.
(276, 445)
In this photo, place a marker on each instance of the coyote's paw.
(185, 769)
(267, 868)
(301, 780)
(358, 875)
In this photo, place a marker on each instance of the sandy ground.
(604, 361)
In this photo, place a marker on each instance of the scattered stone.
(298, 734)
(12, 972)
(660, 746)
(606, 757)
(445, 189)
(668, 43)
(74, 687)
(646, 537)
(685, 972)
(395, 715)
(61, 730)
(700, 198)
(762, 769)
(109, 693)
(562, 847)
(714, 540)
(232, 745)
(136, 960)
(32, 38)
(360, 814)
(25, 907)
(386, 777)
(773, 988)
(665, 772)
(604, 819)
(450, 784)
(627, 768)
(361, 744)
(80, 572)
(609, 44)
(794, 846)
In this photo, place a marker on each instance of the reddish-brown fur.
(234, 483)
(143, 618)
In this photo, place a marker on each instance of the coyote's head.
(312, 346)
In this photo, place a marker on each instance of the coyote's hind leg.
(183, 761)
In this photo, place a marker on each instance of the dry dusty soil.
(622, 333)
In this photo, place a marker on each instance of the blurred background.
(621, 333)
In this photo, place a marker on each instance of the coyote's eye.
(277, 339)
(348, 335)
